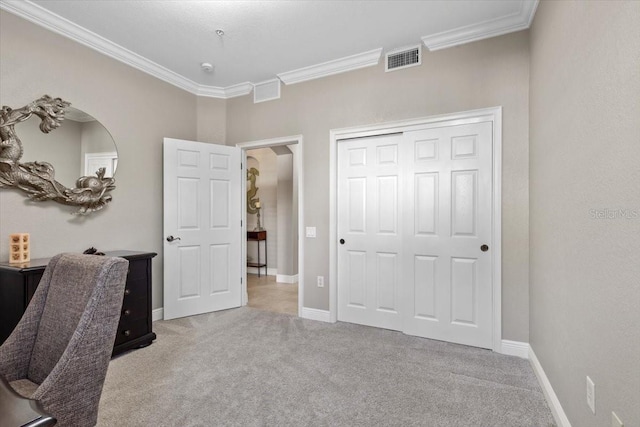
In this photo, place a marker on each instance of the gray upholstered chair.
(59, 352)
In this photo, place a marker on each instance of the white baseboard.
(157, 314)
(270, 271)
(315, 314)
(515, 348)
(554, 403)
(283, 278)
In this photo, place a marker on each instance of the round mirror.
(79, 147)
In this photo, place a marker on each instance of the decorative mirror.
(81, 147)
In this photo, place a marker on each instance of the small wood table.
(258, 236)
(18, 411)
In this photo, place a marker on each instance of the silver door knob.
(171, 239)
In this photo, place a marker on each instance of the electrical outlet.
(591, 394)
(615, 421)
(311, 232)
(321, 281)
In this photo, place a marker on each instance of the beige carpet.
(248, 367)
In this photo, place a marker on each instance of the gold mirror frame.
(37, 179)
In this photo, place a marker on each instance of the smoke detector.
(207, 67)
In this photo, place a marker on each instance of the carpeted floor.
(247, 367)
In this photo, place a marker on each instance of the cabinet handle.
(127, 333)
(127, 312)
(127, 291)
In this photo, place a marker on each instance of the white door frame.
(296, 140)
(493, 115)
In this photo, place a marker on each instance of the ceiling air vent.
(403, 58)
(266, 91)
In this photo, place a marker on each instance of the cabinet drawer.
(137, 269)
(130, 329)
(135, 288)
(134, 308)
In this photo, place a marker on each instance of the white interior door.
(370, 231)
(448, 219)
(202, 228)
(414, 211)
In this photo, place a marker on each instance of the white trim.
(285, 278)
(59, 25)
(493, 114)
(558, 413)
(515, 348)
(254, 270)
(315, 314)
(157, 314)
(484, 30)
(329, 68)
(297, 140)
(239, 89)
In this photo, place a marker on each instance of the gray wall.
(584, 155)
(478, 75)
(137, 109)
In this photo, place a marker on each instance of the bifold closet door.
(369, 231)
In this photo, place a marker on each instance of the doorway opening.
(271, 226)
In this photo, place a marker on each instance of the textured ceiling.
(265, 38)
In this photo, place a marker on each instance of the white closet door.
(369, 224)
(414, 212)
(447, 220)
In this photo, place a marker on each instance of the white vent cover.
(403, 58)
(266, 91)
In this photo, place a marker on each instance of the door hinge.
(241, 280)
(240, 223)
(241, 166)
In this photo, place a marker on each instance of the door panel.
(369, 274)
(458, 307)
(202, 209)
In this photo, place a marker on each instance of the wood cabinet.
(19, 282)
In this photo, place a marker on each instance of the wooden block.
(19, 248)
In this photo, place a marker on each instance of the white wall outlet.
(591, 394)
(311, 232)
(321, 281)
(615, 421)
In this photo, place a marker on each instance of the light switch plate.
(311, 232)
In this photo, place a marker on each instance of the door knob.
(171, 239)
(342, 241)
(484, 248)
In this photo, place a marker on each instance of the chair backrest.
(75, 281)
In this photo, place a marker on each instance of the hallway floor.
(267, 294)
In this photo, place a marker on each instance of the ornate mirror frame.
(37, 179)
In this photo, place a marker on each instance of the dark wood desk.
(18, 411)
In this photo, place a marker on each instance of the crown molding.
(238, 90)
(329, 68)
(484, 30)
(59, 25)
